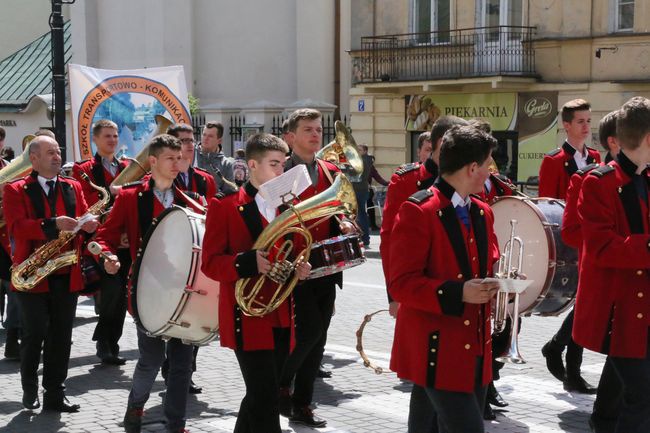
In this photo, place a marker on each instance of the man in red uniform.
(201, 183)
(314, 300)
(608, 395)
(233, 225)
(133, 212)
(554, 175)
(559, 164)
(102, 169)
(612, 309)
(442, 334)
(37, 207)
(407, 180)
(191, 178)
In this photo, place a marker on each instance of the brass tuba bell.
(139, 165)
(343, 153)
(339, 198)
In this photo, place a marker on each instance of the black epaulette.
(587, 169)
(602, 170)
(16, 180)
(554, 152)
(420, 196)
(132, 184)
(67, 177)
(406, 168)
(219, 195)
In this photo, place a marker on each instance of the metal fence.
(475, 52)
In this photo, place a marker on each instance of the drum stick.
(96, 249)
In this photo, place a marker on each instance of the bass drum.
(170, 295)
(548, 262)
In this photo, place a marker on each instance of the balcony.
(452, 54)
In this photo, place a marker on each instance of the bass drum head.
(162, 276)
(539, 250)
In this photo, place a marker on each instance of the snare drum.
(549, 262)
(170, 295)
(335, 255)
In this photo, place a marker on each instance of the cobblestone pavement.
(353, 400)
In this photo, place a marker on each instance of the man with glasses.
(211, 158)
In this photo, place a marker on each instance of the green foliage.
(194, 104)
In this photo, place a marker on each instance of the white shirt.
(166, 197)
(457, 200)
(580, 158)
(267, 211)
(43, 181)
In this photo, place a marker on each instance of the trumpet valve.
(280, 271)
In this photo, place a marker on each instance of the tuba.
(48, 258)
(343, 153)
(339, 198)
(506, 270)
(139, 165)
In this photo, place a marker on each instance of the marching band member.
(407, 180)
(608, 395)
(37, 207)
(554, 175)
(200, 182)
(442, 334)
(612, 308)
(102, 169)
(314, 301)
(135, 207)
(260, 343)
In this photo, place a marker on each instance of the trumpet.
(506, 270)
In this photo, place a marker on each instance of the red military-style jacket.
(612, 310)
(557, 168)
(406, 181)
(500, 186)
(571, 230)
(199, 181)
(233, 225)
(438, 337)
(95, 170)
(31, 223)
(134, 209)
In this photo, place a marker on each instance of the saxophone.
(47, 259)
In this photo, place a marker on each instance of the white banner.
(130, 98)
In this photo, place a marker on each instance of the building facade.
(511, 62)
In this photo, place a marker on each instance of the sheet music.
(292, 182)
(509, 285)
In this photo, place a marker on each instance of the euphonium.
(139, 165)
(508, 271)
(47, 258)
(343, 153)
(339, 198)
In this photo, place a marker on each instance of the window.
(502, 13)
(624, 15)
(432, 16)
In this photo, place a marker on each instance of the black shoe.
(488, 413)
(103, 350)
(579, 385)
(494, 398)
(12, 347)
(113, 360)
(60, 405)
(554, 361)
(285, 402)
(323, 374)
(194, 388)
(305, 416)
(30, 400)
(133, 419)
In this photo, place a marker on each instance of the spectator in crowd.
(210, 157)
(424, 146)
(240, 169)
(370, 204)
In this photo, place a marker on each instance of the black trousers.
(47, 323)
(113, 304)
(314, 305)
(259, 411)
(608, 398)
(563, 339)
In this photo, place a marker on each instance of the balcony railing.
(463, 53)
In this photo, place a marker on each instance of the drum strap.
(326, 170)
